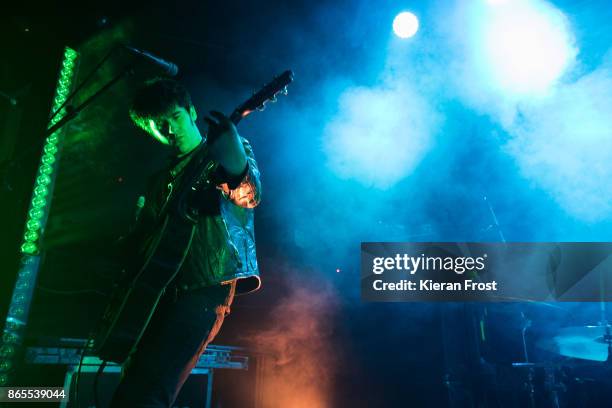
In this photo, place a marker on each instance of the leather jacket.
(223, 246)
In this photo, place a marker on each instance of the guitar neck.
(258, 100)
(237, 115)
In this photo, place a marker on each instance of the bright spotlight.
(527, 44)
(405, 24)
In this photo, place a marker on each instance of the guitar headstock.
(266, 94)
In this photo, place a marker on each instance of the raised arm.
(244, 189)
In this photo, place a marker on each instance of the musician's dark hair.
(155, 98)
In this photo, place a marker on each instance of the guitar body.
(134, 301)
(136, 297)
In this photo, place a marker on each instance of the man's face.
(177, 128)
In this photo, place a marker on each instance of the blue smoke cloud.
(563, 144)
(380, 134)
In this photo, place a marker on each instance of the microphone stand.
(72, 112)
(607, 337)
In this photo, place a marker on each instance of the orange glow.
(301, 372)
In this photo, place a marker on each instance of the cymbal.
(513, 315)
(521, 304)
(584, 342)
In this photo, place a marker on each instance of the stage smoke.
(380, 133)
(563, 144)
(299, 342)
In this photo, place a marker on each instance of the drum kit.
(552, 364)
(539, 350)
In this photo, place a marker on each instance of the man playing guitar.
(219, 258)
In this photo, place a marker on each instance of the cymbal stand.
(529, 385)
(607, 338)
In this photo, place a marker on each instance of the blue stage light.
(405, 25)
(526, 44)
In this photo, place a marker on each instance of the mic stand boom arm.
(72, 112)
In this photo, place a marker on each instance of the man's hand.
(225, 145)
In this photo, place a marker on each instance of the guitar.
(134, 300)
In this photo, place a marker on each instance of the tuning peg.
(273, 99)
(285, 91)
(262, 107)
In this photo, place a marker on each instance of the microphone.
(168, 67)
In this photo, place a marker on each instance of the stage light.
(48, 159)
(46, 169)
(33, 225)
(30, 236)
(43, 179)
(7, 350)
(527, 45)
(50, 148)
(36, 213)
(34, 228)
(41, 191)
(405, 24)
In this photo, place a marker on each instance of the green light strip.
(39, 205)
(16, 320)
